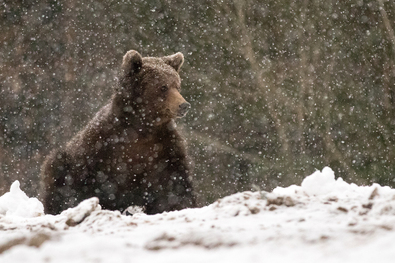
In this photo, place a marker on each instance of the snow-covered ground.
(323, 220)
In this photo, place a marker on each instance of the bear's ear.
(132, 62)
(175, 60)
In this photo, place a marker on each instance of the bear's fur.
(130, 153)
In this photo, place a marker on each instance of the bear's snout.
(183, 109)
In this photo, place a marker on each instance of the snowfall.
(323, 220)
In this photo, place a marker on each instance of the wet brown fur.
(130, 153)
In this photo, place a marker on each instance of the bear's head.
(150, 87)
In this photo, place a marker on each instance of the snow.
(322, 220)
(17, 203)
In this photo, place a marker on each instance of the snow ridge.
(324, 219)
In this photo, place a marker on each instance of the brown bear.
(130, 153)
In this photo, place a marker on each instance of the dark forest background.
(278, 88)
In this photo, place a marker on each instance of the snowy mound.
(322, 220)
(17, 203)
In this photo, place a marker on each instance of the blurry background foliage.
(279, 88)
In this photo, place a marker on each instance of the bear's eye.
(164, 88)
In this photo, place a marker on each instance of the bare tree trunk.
(387, 24)
(332, 152)
(271, 97)
(387, 69)
(302, 79)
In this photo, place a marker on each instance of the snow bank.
(17, 203)
(322, 220)
(324, 185)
